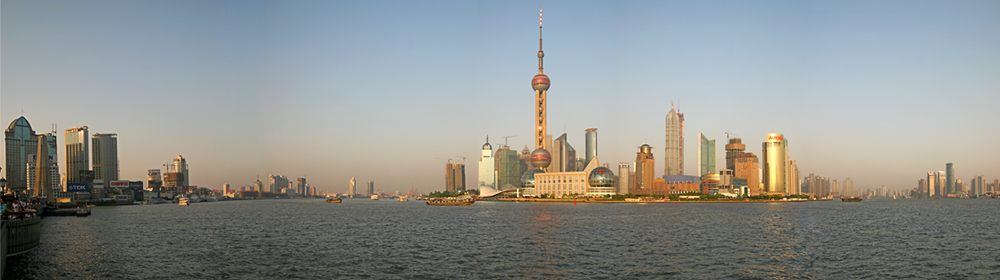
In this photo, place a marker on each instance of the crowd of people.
(14, 207)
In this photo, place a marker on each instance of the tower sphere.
(601, 177)
(540, 158)
(540, 82)
(528, 178)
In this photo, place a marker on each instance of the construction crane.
(505, 139)
(449, 159)
(463, 159)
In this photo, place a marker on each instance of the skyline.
(379, 91)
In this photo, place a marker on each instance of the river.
(387, 239)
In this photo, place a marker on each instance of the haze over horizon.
(880, 92)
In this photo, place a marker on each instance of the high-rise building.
(180, 166)
(922, 187)
(225, 189)
(747, 167)
(950, 179)
(792, 180)
(106, 157)
(941, 182)
(674, 155)
(51, 147)
(352, 188)
(42, 177)
(154, 180)
(591, 145)
(775, 151)
(508, 166)
(644, 165)
(276, 182)
(706, 155)
(454, 177)
(733, 150)
(624, 182)
(563, 156)
(21, 141)
(848, 188)
(371, 188)
(301, 188)
(487, 173)
(77, 154)
(978, 185)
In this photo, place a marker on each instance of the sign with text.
(76, 187)
(119, 184)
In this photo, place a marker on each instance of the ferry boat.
(183, 201)
(374, 197)
(403, 199)
(851, 199)
(450, 201)
(333, 200)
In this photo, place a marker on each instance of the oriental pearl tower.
(540, 158)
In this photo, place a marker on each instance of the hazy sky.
(879, 91)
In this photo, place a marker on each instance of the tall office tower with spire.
(20, 141)
(644, 165)
(950, 178)
(674, 154)
(487, 173)
(591, 145)
(775, 151)
(352, 187)
(734, 148)
(77, 154)
(106, 157)
(706, 155)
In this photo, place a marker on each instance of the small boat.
(403, 198)
(183, 201)
(851, 199)
(450, 201)
(374, 197)
(333, 200)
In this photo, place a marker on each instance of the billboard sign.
(119, 184)
(135, 184)
(76, 187)
(153, 174)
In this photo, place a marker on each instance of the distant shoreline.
(570, 200)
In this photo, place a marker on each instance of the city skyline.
(329, 90)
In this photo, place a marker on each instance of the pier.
(19, 233)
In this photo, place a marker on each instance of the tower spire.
(541, 54)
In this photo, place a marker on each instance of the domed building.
(601, 181)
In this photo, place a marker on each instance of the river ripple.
(386, 239)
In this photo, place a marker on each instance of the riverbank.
(591, 200)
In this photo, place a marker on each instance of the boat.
(451, 201)
(403, 199)
(333, 200)
(851, 199)
(183, 201)
(374, 197)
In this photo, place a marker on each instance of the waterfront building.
(959, 187)
(351, 188)
(734, 148)
(922, 187)
(20, 141)
(674, 150)
(793, 179)
(672, 184)
(508, 166)
(563, 155)
(709, 181)
(225, 189)
(179, 165)
(747, 167)
(978, 185)
(276, 182)
(775, 168)
(371, 188)
(454, 177)
(77, 154)
(644, 165)
(706, 155)
(950, 179)
(591, 134)
(105, 157)
(624, 181)
(301, 188)
(848, 188)
(594, 180)
(487, 173)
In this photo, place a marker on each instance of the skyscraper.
(180, 166)
(747, 167)
(487, 173)
(77, 154)
(644, 165)
(792, 179)
(933, 188)
(563, 155)
(623, 178)
(106, 157)
(21, 141)
(848, 187)
(352, 188)
(454, 177)
(591, 145)
(508, 166)
(706, 155)
(675, 143)
(371, 188)
(775, 152)
(276, 182)
(733, 150)
(301, 189)
(950, 179)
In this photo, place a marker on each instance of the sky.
(387, 91)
